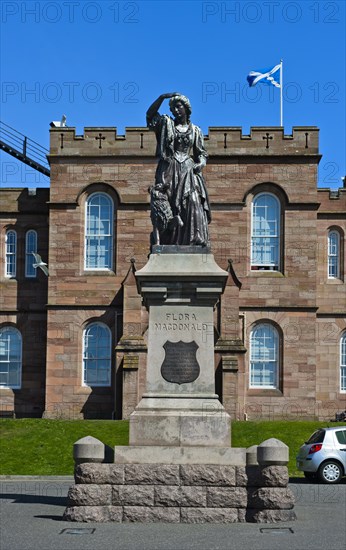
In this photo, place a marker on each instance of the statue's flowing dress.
(178, 151)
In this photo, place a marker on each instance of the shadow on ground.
(34, 499)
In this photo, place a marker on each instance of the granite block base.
(180, 492)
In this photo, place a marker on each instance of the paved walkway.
(31, 511)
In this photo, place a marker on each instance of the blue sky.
(103, 63)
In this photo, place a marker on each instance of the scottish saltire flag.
(265, 76)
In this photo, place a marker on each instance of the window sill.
(264, 273)
(99, 272)
(84, 390)
(9, 389)
(264, 392)
(335, 281)
(87, 390)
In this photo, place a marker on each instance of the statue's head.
(184, 101)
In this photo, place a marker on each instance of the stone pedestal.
(180, 287)
(179, 466)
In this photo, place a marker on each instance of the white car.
(323, 456)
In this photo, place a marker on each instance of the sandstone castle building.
(74, 344)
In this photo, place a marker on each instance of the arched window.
(343, 362)
(11, 253)
(97, 353)
(30, 247)
(264, 356)
(333, 255)
(99, 232)
(10, 357)
(265, 232)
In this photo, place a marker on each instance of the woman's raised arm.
(154, 107)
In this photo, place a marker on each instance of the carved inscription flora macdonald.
(186, 322)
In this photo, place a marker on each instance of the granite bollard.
(88, 449)
(272, 451)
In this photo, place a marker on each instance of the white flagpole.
(281, 88)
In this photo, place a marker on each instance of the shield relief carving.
(180, 365)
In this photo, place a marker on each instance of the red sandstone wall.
(23, 300)
(299, 298)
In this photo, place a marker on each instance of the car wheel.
(330, 472)
(310, 475)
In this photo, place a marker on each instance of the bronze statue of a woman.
(180, 209)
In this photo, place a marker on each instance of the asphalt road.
(31, 511)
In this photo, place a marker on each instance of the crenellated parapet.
(332, 199)
(225, 141)
(262, 140)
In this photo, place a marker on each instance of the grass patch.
(44, 447)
